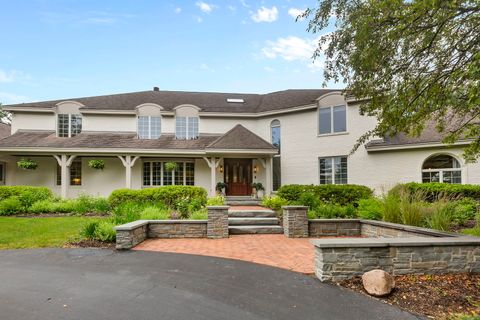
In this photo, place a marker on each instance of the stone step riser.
(243, 203)
(252, 214)
(252, 221)
(255, 230)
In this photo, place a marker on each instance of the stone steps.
(241, 201)
(252, 221)
(259, 229)
(264, 213)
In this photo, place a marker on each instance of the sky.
(64, 49)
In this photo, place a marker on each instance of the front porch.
(69, 175)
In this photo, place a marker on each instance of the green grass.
(472, 231)
(18, 233)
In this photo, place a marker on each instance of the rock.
(378, 283)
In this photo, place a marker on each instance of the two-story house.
(285, 137)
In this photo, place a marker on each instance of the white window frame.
(189, 135)
(69, 124)
(332, 129)
(149, 126)
(333, 169)
(150, 185)
(442, 170)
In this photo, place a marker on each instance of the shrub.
(310, 200)
(88, 204)
(463, 210)
(154, 213)
(42, 206)
(200, 215)
(439, 218)
(370, 209)
(342, 194)
(127, 212)
(275, 203)
(10, 206)
(169, 196)
(216, 201)
(391, 209)
(63, 206)
(104, 231)
(88, 230)
(435, 190)
(27, 195)
(330, 211)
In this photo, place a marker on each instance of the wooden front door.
(238, 177)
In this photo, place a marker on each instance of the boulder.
(378, 283)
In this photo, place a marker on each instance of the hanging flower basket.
(96, 164)
(170, 166)
(27, 164)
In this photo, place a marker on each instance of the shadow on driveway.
(105, 284)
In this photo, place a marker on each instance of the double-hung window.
(149, 127)
(332, 119)
(333, 170)
(186, 128)
(75, 173)
(69, 125)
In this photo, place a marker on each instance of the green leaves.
(417, 61)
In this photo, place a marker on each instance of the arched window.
(275, 134)
(442, 168)
(186, 122)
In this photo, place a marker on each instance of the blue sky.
(62, 49)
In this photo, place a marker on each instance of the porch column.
(128, 162)
(268, 175)
(213, 164)
(64, 161)
(267, 164)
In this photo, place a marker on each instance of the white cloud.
(295, 12)
(205, 7)
(10, 98)
(13, 76)
(205, 66)
(232, 8)
(265, 14)
(244, 3)
(177, 10)
(269, 69)
(290, 48)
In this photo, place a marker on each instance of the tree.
(411, 63)
(5, 117)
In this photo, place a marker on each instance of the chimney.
(156, 89)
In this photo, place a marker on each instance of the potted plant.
(221, 187)
(170, 166)
(257, 190)
(27, 164)
(96, 164)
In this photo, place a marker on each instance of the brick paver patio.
(275, 250)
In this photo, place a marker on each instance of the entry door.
(238, 176)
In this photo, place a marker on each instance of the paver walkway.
(270, 249)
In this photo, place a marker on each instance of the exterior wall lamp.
(220, 169)
(255, 169)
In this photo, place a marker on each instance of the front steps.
(241, 201)
(253, 221)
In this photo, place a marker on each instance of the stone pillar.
(130, 234)
(217, 225)
(295, 221)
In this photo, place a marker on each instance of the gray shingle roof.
(240, 137)
(5, 130)
(207, 101)
(245, 139)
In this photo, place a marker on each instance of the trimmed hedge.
(170, 196)
(342, 194)
(434, 190)
(26, 195)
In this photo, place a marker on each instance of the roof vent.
(156, 89)
(231, 100)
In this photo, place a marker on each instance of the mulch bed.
(87, 243)
(435, 296)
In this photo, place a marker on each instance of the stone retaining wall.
(339, 259)
(334, 227)
(177, 229)
(295, 222)
(372, 229)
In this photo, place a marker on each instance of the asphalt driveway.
(104, 284)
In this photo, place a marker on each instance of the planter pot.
(260, 194)
(254, 193)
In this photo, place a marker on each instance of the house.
(285, 137)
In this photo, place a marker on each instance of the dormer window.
(186, 128)
(149, 127)
(69, 125)
(332, 120)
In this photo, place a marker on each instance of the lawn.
(17, 233)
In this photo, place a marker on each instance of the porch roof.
(40, 141)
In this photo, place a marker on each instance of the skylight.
(232, 100)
